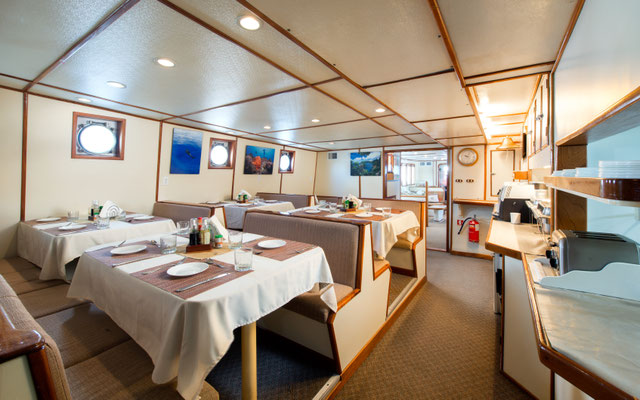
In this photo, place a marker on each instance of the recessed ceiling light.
(249, 22)
(380, 110)
(116, 84)
(266, 127)
(84, 100)
(331, 143)
(315, 120)
(165, 62)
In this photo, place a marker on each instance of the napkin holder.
(198, 247)
(349, 210)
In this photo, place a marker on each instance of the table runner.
(144, 221)
(104, 255)
(164, 281)
(90, 226)
(281, 253)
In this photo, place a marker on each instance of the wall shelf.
(621, 192)
(474, 202)
(621, 116)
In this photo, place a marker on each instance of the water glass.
(103, 223)
(366, 207)
(73, 216)
(183, 227)
(243, 259)
(333, 207)
(168, 244)
(235, 240)
(386, 212)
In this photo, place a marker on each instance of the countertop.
(592, 341)
(474, 202)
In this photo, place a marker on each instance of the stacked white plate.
(588, 172)
(629, 169)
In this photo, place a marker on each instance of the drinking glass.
(103, 223)
(333, 207)
(243, 259)
(183, 227)
(366, 207)
(386, 212)
(257, 200)
(73, 216)
(235, 240)
(168, 244)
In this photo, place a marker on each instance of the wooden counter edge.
(577, 374)
(496, 248)
(488, 203)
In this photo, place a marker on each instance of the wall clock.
(467, 156)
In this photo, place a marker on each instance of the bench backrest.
(180, 212)
(298, 200)
(330, 199)
(340, 241)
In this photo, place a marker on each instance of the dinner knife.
(201, 282)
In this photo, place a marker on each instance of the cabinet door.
(520, 355)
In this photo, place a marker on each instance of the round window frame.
(110, 153)
(226, 161)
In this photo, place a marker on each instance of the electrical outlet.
(165, 180)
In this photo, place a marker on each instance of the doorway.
(422, 176)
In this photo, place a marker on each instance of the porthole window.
(286, 161)
(97, 137)
(221, 153)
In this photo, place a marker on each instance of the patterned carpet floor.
(444, 345)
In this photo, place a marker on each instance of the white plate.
(364, 215)
(187, 269)
(380, 208)
(144, 218)
(312, 211)
(50, 219)
(134, 248)
(72, 227)
(271, 244)
(271, 201)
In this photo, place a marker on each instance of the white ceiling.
(357, 43)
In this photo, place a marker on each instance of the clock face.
(467, 156)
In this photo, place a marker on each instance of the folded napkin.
(355, 200)
(49, 226)
(110, 210)
(219, 227)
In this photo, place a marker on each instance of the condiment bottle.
(193, 232)
(207, 233)
(217, 241)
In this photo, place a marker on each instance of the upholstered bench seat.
(379, 265)
(311, 305)
(82, 332)
(48, 301)
(23, 277)
(298, 200)
(403, 244)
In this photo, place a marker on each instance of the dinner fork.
(159, 268)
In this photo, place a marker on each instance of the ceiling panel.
(209, 127)
(353, 96)
(224, 15)
(507, 97)
(12, 82)
(497, 130)
(397, 124)
(362, 143)
(63, 94)
(35, 33)
(463, 141)
(349, 34)
(506, 119)
(451, 127)
(284, 111)
(477, 29)
(433, 97)
(350, 130)
(421, 138)
(209, 70)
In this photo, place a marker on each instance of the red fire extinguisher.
(474, 230)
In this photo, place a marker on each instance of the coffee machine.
(512, 198)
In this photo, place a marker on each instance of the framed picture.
(287, 158)
(365, 163)
(97, 137)
(258, 160)
(186, 151)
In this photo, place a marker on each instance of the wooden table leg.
(249, 362)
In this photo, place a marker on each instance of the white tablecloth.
(186, 338)
(52, 253)
(385, 233)
(235, 213)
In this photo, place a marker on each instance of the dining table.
(234, 211)
(384, 228)
(51, 246)
(186, 324)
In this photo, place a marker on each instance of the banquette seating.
(87, 355)
(298, 200)
(362, 301)
(181, 211)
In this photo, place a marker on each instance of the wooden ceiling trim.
(104, 24)
(442, 147)
(15, 77)
(314, 126)
(437, 14)
(502, 71)
(443, 119)
(347, 140)
(504, 79)
(506, 115)
(567, 34)
(332, 67)
(535, 91)
(445, 71)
